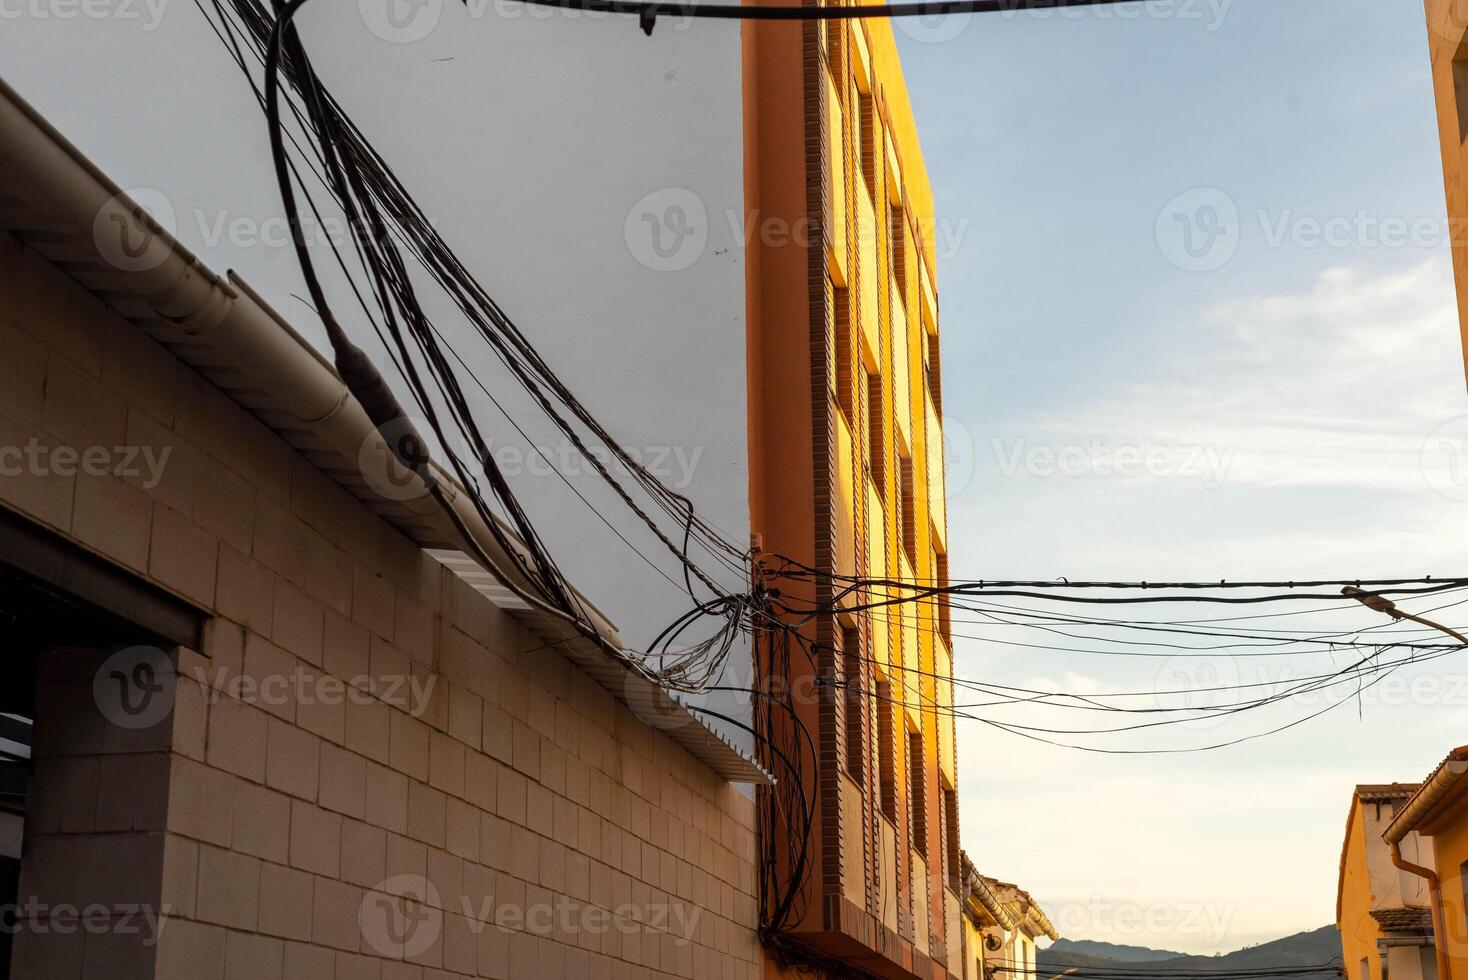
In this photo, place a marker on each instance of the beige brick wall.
(360, 731)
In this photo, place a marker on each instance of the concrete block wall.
(368, 771)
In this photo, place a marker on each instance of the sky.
(1209, 237)
(1293, 368)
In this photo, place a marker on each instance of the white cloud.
(1338, 385)
(1323, 398)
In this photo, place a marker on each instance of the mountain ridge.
(1316, 946)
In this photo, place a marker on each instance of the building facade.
(1382, 911)
(479, 795)
(1447, 40)
(847, 481)
(1437, 814)
(262, 719)
(1001, 924)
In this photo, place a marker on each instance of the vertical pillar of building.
(92, 863)
(831, 731)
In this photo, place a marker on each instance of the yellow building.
(1438, 813)
(1447, 23)
(1001, 925)
(1381, 910)
(846, 454)
(985, 921)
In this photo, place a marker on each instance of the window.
(845, 357)
(870, 138)
(940, 572)
(833, 355)
(950, 838)
(1463, 877)
(887, 750)
(1460, 96)
(933, 368)
(1365, 968)
(853, 679)
(876, 432)
(916, 793)
(897, 249)
(928, 362)
(836, 52)
(906, 511)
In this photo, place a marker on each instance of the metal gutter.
(980, 895)
(56, 202)
(1432, 792)
(1434, 789)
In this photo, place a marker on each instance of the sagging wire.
(381, 215)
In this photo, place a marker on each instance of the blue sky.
(1313, 364)
(1296, 396)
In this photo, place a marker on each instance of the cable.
(649, 10)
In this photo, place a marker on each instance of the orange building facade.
(847, 478)
(1438, 814)
(1447, 26)
(1382, 911)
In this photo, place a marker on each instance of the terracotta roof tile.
(1404, 920)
